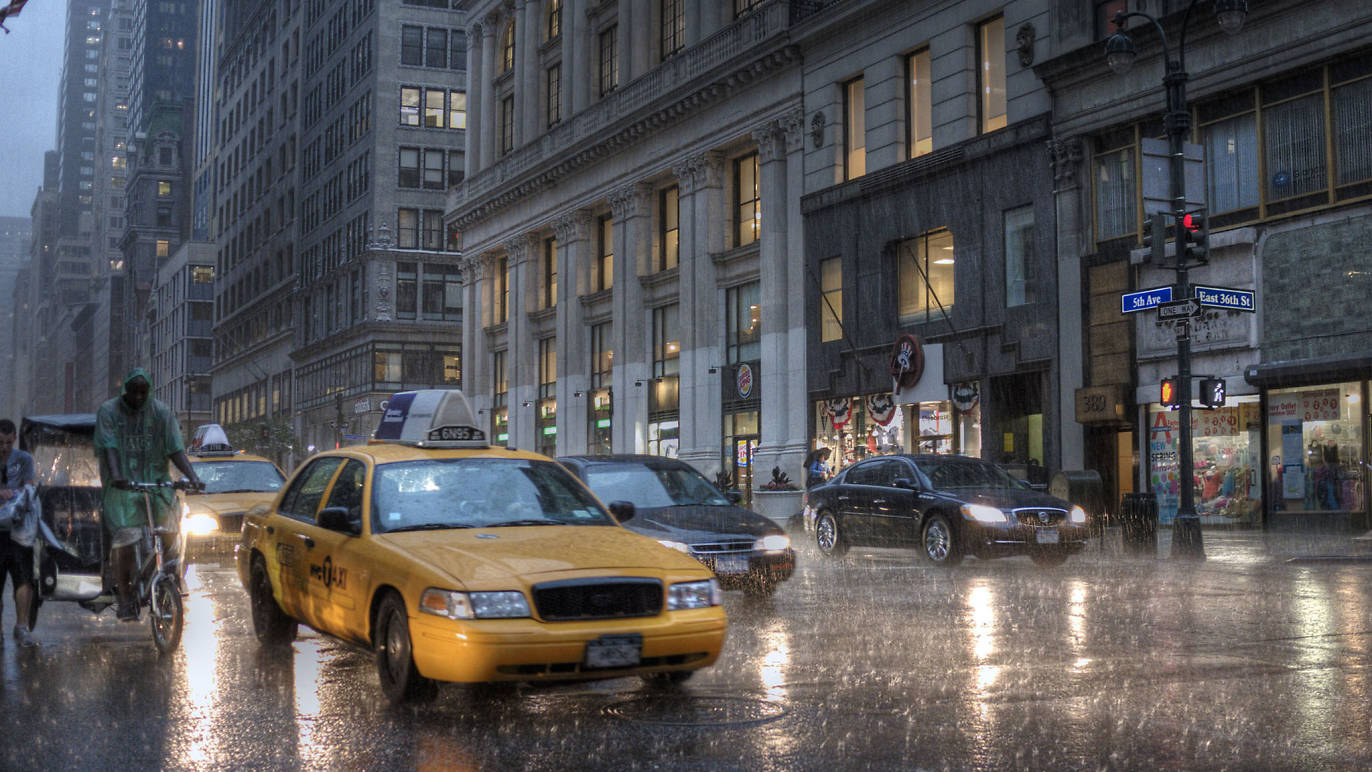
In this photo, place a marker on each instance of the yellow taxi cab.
(456, 561)
(235, 482)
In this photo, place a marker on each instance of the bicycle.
(157, 584)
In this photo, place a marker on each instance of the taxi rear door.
(289, 535)
(338, 572)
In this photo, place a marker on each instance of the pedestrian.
(16, 560)
(135, 436)
(816, 467)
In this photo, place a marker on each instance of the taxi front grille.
(574, 600)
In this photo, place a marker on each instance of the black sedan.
(676, 505)
(948, 506)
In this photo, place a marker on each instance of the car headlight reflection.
(982, 513)
(686, 595)
(777, 542)
(1078, 515)
(675, 545)
(199, 524)
(474, 605)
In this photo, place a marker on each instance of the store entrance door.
(741, 459)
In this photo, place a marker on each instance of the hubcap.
(825, 533)
(394, 647)
(936, 541)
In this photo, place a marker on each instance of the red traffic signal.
(1196, 227)
(1169, 393)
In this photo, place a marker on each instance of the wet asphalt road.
(1109, 662)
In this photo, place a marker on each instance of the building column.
(1067, 158)
(573, 358)
(782, 380)
(476, 352)
(521, 358)
(476, 88)
(486, 134)
(631, 207)
(699, 180)
(796, 379)
(529, 32)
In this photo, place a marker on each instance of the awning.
(1306, 372)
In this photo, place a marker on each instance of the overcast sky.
(30, 67)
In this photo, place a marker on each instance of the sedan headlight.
(199, 525)
(686, 595)
(777, 542)
(982, 513)
(1078, 516)
(675, 545)
(474, 605)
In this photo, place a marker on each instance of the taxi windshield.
(238, 476)
(647, 485)
(479, 493)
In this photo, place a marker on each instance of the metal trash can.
(1139, 523)
(1083, 488)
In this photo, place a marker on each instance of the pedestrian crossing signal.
(1169, 393)
(1212, 392)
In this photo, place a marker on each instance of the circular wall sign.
(743, 379)
(907, 361)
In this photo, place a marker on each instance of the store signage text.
(1317, 405)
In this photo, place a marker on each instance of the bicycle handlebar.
(148, 487)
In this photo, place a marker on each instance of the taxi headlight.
(199, 525)
(777, 542)
(675, 545)
(473, 605)
(982, 513)
(1078, 515)
(686, 595)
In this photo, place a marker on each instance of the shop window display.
(1225, 458)
(857, 427)
(1314, 435)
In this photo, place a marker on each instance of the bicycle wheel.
(166, 615)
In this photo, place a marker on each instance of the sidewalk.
(1250, 546)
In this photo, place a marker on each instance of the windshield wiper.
(429, 527)
(505, 523)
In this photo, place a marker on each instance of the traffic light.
(1169, 393)
(1212, 392)
(1196, 227)
(1155, 236)
(266, 432)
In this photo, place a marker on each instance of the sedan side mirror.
(622, 510)
(335, 519)
(906, 483)
(734, 496)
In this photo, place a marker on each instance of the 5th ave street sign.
(1144, 299)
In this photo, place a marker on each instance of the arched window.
(507, 48)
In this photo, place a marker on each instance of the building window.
(1353, 131)
(743, 323)
(600, 413)
(1293, 134)
(433, 168)
(164, 189)
(409, 106)
(742, 7)
(669, 228)
(502, 291)
(1231, 163)
(1115, 191)
(163, 248)
(664, 396)
(549, 273)
(919, 104)
(432, 230)
(924, 275)
(406, 290)
(854, 129)
(991, 74)
(1020, 257)
(673, 27)
(411, 45)
(507, 48)
(554, 25)
(609, 60)
(605, 256)
(455, 171)
(506, 124)
(409, 167)
(436, 48)
(435, 112)
(545, 423)
(552, 91)
(407, 229)
(442, 109)
(831, 299)
(748, 198)
(1105, 16)
(500, 399)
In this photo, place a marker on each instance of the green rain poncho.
(143, 442)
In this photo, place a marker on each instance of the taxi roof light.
(210, 438)
(430, 418)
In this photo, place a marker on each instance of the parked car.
(676, 505)
(947, 506)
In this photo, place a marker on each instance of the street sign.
(1183, 329)
(1179, 309)
(1225, 297)
(1144, 299)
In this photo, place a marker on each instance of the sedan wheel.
(940, 543)
(400, 681)
(828, 537)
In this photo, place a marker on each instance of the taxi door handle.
(309, 543)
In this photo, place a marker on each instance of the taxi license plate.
(731, 564)
(609, 651)
(1046, 536)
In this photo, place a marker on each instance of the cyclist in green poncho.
(135, 435)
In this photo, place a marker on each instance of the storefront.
(1226, 447)
(857, 427)
(1317, 447)
(742, 415)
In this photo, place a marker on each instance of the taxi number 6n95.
(456, 434)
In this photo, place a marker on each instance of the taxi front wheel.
(400, 681)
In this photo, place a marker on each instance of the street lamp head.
(1119, 52)
(1231, 14)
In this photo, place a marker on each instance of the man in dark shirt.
(16, 560)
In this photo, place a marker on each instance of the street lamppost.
(1120, 55)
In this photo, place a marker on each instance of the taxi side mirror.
(335, 519)
(734, 496)
(622, 510)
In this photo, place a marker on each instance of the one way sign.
(1179, 309)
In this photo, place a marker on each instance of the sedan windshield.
(647, 486)
(238, 476)
(953, 472)
(479, 493)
